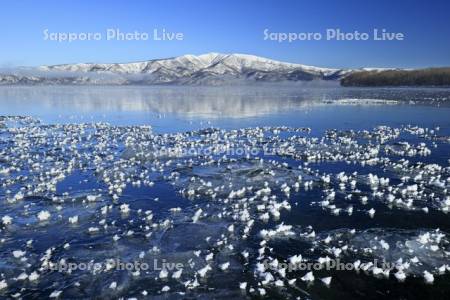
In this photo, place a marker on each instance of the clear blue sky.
(227, 26)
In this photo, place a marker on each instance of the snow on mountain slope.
(210, 68)
(217, 61)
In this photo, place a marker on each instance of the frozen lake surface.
(192, 192)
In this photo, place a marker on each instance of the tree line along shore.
(422, 77)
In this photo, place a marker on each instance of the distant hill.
(422, 77)
(215, 69)
(208, 69)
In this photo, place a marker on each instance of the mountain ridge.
(210, 69)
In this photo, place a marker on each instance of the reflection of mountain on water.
(191, 101)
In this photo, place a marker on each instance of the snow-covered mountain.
(211, 68)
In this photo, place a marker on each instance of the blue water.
(81, 144)
(173, 109)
